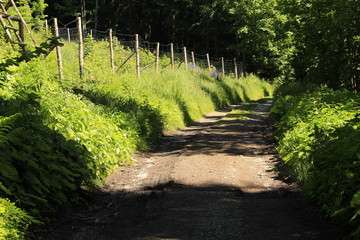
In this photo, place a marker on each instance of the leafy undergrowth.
(318, 136)
(13, 221)
(58, 137)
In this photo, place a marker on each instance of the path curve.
(213, 180)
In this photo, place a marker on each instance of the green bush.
(318, 137)
(39, 167)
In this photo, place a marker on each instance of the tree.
(38, 8)
(327, 41)
(307, 40)
(261, 32)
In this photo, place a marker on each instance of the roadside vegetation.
(318, 133)
(61, 137)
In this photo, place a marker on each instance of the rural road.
(213, 180)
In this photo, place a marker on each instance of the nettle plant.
(318, 136)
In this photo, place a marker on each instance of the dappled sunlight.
(227, 136)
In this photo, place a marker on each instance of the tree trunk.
(244, 63)
(83, 15)
(207, 40)
(96, 17)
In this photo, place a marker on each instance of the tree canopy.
(284, 40)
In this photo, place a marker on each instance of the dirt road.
(213, 180)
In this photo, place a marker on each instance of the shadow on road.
(175, 211)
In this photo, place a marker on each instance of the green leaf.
(3, 188)
(355, 202)
(8, 171)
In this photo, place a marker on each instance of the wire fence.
(179, 56)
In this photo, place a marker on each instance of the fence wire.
(128, 42)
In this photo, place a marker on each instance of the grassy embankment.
(57, 137)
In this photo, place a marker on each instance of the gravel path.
(213, 180)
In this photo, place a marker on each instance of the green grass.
(243, 112)
(60, 136)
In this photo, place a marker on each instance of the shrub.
(319, 139)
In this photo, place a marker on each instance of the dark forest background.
(280, 40)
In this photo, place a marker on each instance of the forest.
(305, 40)
(59, 137)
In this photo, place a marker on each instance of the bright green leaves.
(319, 139)
(13, 221)
(45, 48)
(107, 146)
(51, 143)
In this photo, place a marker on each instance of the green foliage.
(156, 101)
(32, 11)
(39, 167)
(261, 26)
(25, 9)
(325, 34)
(88, 45)
(38, 8)
(107, 145)
(57, 137)
(319, 139)
(43, 50)
(282, 40)
(14, 222)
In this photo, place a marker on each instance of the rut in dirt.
(213, 180)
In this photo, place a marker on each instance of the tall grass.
(63, 135)
(175, 98)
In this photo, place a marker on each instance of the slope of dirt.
(213, 180)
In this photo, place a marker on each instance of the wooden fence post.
(157, 56)
(235, 68)
(244, 64)
(193, 59)
(137, 52)
(68, 35)
(208, 62)
(172, 56)
(21, 31)
(22, 20)
(58, 51)
(185, 57)
(81, 47)
(222, 66)
(111, 51)
(46, 28)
